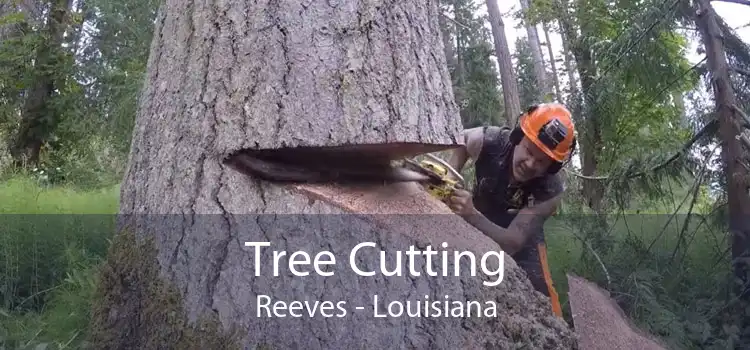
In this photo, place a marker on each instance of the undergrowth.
(52, 240)
(669, 272)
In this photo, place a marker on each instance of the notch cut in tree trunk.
(348, 164)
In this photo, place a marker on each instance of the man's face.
(529, 161)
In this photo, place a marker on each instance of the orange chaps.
(551, 292)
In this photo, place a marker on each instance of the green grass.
(51, 240)
(22, 195)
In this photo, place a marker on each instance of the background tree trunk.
(38, 119)
(295, 75)
(570, 69)
(460, 61)
(553, 64)
(448, 45)
(734, 158)
(511, 97)
(590, 139)
(536, 54)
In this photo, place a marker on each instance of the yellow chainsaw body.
(445, 189)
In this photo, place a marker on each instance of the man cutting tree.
(514, 166)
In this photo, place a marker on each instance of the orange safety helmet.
(550, 127)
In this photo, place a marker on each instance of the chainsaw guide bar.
(318, 166)
(322, 170)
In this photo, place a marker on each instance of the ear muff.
(516, 135)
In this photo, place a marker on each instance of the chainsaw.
(442, 180)
(334, 165)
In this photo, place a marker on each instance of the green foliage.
(482, 105)
(16, 72)
(31, 260)
(475, 79)
(638, 64)
(117, 61)
(96, 87)
(662, 268)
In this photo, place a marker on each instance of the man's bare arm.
(472, 146)
(528, 221)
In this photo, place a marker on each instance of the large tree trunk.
(511, 97)
(294, 74)
(733, 156)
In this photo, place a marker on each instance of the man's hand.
(461, 203)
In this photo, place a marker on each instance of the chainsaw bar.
(432, 177)
(327, 165)
(330, 171)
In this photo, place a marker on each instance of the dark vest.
(493, 195)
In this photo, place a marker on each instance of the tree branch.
(741, 2)
(745, 119)
(707, 129)
(453, 20)
(740, 70)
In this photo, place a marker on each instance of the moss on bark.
(136, 308)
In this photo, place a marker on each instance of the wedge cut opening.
(361, 163)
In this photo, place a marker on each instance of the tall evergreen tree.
(475, 78)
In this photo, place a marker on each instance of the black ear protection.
(550, 134)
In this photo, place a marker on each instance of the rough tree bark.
(233, 75)
(511, 97)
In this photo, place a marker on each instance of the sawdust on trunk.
(234, 75)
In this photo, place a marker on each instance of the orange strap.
(548, 279)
